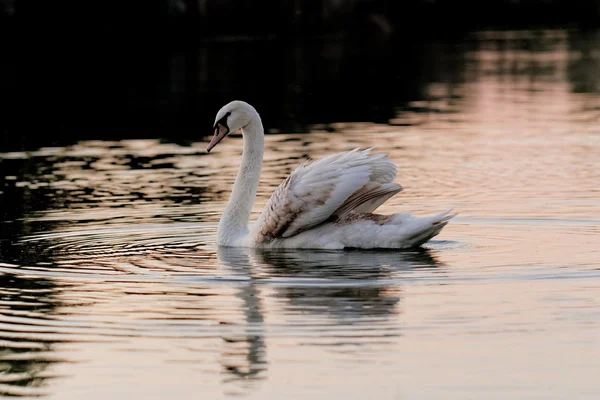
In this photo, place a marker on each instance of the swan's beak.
(220, 132)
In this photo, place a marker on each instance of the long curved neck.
(235, 218)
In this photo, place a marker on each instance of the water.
(112, 285)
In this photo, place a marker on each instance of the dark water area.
(114, 91)
(70, 72)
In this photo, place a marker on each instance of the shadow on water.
(25, 355)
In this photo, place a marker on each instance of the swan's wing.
(368, 198)
(334, 185)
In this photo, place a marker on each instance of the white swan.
(324, 205)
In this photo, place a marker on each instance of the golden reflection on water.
(117, 287)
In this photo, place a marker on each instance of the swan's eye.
(223, 122)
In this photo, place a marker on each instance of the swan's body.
(328, 204)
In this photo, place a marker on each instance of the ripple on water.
(185, 253)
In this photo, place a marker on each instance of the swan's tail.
(426, 228)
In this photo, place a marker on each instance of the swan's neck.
(234, 221)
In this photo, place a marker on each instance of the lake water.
(112, 285)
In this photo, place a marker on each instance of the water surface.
(112, 284)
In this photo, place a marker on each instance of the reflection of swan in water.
(347, 264)
(244, 359)
(342, 284)
(357, 285)
(351, 287)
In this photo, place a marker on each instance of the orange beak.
(220, 132)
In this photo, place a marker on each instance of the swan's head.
(230, 118)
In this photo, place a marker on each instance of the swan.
(326, 204)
